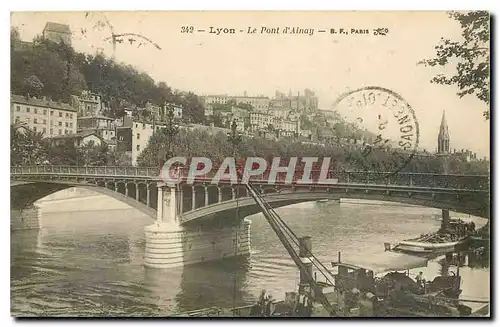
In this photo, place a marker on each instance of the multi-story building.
(133, 137)
(88, 103)
(282, 113)
(260, 121)
(102, 126)
(288, 127)
(259, 103)
(43, 115)
(57, 33)
(301, 103)
(159, 113)
(154, 110)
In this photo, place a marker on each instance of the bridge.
(203, 210)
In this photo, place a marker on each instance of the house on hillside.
(78, 139)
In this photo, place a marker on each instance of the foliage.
(64, 72)
(471, 56)
(55, 67)
(216, 119)
(27, 147)
(344, 157)
(246, 106)
(92, 155)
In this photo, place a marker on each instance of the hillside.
(43, 68)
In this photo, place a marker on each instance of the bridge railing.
(88, 170)
(470, 182)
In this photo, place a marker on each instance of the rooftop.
(80, 134)
(96, 117)
(57, 27)
(32, 101)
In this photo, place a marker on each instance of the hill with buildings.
(45, 68)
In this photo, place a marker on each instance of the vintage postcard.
(250, 164)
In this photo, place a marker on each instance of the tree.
(471, 55)
(33, 85)
(27, 147)
(92, 155)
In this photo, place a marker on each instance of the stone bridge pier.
(171, 244)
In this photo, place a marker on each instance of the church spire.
(443, 136)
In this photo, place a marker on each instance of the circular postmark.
(383, 130)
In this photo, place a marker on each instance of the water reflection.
(91, 263)
(210, 284)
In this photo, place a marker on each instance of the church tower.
(443, 137)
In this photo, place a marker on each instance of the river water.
(90, 263)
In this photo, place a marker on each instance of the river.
(90, 263)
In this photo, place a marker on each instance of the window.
(52, 112)
(28, 119)
(67, 115)
(143, 126)
(136, 125)
(51, 131)
(44, 111)
(66, 124)
(60, 114)
(28, 109)
(60, 123)
(35, 110)
(60, 131)
(65, 131)
(18, 108)
(34, 128)
(71, 116)
(44, 130)
(17, 119)
(138, 147)
(138, 136)
(35, 121)
(45, 121)
(70, 124)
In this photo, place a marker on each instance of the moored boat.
(452, 239)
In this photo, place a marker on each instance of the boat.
(395, 293)
(453, 239)
(355, 291)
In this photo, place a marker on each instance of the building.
(78, 139)
(101, 125)
(262, 121)
(57, 33)
(133, 137)
(259, 103)
(443, 137)
(178, 110)
(289, 128)
(159, 113)
(305, 103)
(43, 115)
(88, 104)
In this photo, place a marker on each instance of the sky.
(260, 63)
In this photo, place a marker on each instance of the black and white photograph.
(250, 164)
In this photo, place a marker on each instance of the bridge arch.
(247, 205)
(25, 194)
